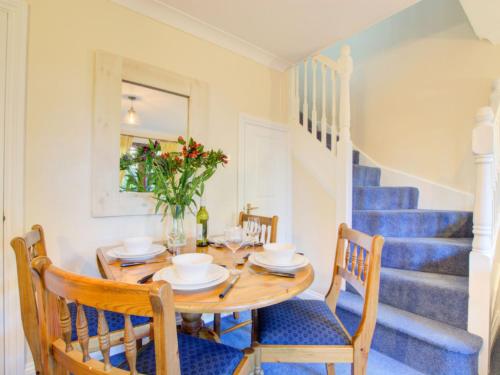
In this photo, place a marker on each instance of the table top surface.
(252, 291)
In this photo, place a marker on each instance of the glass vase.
(176, 235)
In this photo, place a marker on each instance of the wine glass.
(233, 238)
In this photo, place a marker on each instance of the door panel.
(265, 172)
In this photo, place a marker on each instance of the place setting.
(192, 272)
(278, 259)
(136, 251)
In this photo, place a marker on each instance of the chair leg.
(330, 368)
(258, 359)
(236, 315)
(217, 324)
(360, 362)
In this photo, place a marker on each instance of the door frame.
(246, 120)
(13, 179)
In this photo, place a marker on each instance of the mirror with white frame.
(135, 102)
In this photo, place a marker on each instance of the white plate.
(215, 276)
(120, 253)
(256, 259)
(296, 260)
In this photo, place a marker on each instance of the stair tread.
(459, 283)
(427, 330)
(458, 241)
(415, 210)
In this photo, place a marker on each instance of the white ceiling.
(277, 33)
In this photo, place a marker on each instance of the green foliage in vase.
(175, 178)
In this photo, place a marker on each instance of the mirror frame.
(110, 71)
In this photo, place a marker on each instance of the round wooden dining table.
(253, 290)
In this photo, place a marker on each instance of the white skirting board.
(432, 195)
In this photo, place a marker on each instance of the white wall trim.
(176, 18)
(432, 195)
(15, 108)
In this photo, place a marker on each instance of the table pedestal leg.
(193, 325)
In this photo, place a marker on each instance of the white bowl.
(279, 253)
(193, 266)
(137, 245)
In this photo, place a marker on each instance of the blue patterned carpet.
(378, 364)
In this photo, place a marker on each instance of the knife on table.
(230, 286)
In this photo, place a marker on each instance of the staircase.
(422, 316)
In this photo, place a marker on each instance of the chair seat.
(115, 320)
(197, 357)
(300, 322)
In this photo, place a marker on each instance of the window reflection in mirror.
(148, 113)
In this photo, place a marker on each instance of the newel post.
(483, 150)
(480, 262)
(344, 151)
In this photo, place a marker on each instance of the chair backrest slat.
(269, 226)
(82, 330)
(65, 323)
(104, 339)
(358, 262)
(130, 345)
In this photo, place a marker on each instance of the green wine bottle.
(202, 225)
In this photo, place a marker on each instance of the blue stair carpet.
(384, 198)
(424, 344)
(439, 255)
(422, 317)
(365, 176)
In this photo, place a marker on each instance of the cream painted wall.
(63, 36)
(314, 224)
(419, 77)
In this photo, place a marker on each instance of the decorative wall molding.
(15, 107)
(173, 17)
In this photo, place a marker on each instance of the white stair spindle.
(323, 104)
(314, 112)
(305, 108)
(333, 124)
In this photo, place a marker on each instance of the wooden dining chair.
(268, 235)
(269, 226)
(167, 353)
(29, 247)
(309, 330)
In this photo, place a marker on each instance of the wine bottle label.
(199, 232)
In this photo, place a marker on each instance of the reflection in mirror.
(148, 113)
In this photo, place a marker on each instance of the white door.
(264, 173)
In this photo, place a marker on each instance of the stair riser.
(442, 304)
(413, 352)
(365, 176)
(413, 224)
(384, 198)
(446, 259)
